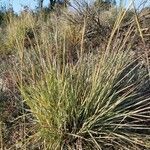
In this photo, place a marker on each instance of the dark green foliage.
(105, 4)
(52, 3)
(2, 14)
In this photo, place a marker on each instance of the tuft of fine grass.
(97, 102)
(94, 104)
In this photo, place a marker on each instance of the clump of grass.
(94, 103)
(17, 27)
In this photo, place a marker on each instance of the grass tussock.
(95, 104)
(82, 83)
